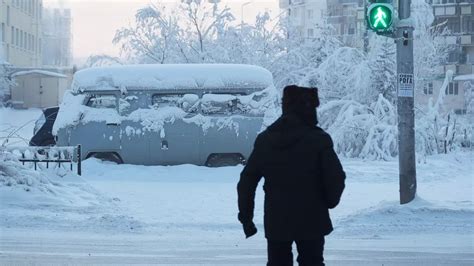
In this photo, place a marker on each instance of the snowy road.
(123, 214)
(27, 249)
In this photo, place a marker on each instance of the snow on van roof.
(172, 76)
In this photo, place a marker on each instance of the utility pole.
(366, 31)
(405, 105)
(379, 18)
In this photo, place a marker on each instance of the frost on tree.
(5, 82)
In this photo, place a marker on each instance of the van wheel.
(226, 159)
(107, 157)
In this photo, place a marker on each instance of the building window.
(309, 14)
(453, 57)
(20, 38)
(12, 40)
(467, 24)
(3, 32)
(25, 40)
(310, 33)
(453, 25)
(351, 30)
(428, 89)
(460, 111)
(17, 37)
(452, 89)
(8, 15)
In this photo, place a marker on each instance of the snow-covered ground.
(125, 214)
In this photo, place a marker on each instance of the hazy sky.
(95, 21)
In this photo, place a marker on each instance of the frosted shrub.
(360, 130)
(5, 82)
(13, 173)
(439, 130)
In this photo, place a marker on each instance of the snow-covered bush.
(102, 60)
(13, 173)
(360, 130)
(439, 130)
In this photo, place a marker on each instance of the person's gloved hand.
(249, 229)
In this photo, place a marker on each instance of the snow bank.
(419, 216)
(56, 200)
(173, 76)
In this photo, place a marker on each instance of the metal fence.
(59, 156)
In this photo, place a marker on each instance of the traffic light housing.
(380, 16)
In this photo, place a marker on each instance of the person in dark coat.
(303, 179)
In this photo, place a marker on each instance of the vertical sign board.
(405, 85)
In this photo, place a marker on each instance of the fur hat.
(301, 101)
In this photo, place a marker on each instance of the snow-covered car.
(203, 114)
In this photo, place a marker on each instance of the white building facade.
(458, 16)
(20, 32)
(304, 15)
(57, 37)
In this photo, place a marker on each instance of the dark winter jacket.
(303, 179)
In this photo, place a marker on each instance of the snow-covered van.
(203, 114)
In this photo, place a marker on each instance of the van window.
(166, 100)
(187, 102)
(102, 101)
(219, 104)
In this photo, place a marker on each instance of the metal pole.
(366, 30)
(405, 106)
(79, 160)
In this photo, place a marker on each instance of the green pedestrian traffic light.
(380, 17)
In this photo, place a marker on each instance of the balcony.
(467, 40)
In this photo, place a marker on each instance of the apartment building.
(57, 37)
(304, 15)
(348, 19)
(458, 16)
(20, 32)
